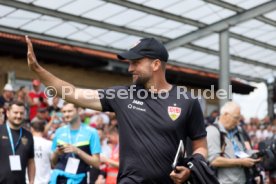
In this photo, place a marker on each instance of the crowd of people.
(43, 120)
(128, 141)
(254, 135)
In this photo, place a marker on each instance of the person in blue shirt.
(75, 148)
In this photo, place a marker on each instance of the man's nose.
(19, 115)
(130, 68)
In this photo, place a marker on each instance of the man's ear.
(156, 64)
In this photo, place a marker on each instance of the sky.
(254, 104)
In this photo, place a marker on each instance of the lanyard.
(70, 138)
(11, 138)
(231, 136)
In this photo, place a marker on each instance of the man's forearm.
(226, 162)
(113, 163)
(31, 171)
(93, 160)
(54, 158)
(202, 151)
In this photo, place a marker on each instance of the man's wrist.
(190, 173)
(77, 151)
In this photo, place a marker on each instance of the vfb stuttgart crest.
(174, 112)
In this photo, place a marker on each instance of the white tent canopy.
(189, 28)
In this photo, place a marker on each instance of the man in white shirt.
(42, 148)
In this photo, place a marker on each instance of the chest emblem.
(24, 141)
(174, 112)
(4, 137)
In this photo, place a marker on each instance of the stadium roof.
(189, 28)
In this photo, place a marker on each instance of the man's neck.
(13, 127)
(37, 134)
(156, 87)
(75, 125)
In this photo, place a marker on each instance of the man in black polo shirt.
(152, 116)
(17, 148)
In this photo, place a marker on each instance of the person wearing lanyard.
(231, 158)
(112, 163)
(17, 148)
(75, 148)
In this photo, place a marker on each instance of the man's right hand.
(60, 150)
(32, 61)
(249, 162)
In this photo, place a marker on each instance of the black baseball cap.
(146, 47)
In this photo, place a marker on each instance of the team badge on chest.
(24, 141)
(174, 112)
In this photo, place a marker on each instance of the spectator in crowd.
(268, 132)
(17, 148)
(260, 133)
(75, 148)
(51, 127)
(22, 96)
(7, 96)
(42, 115)
(112, 162)
(2, 115)
(97, 176)
(106, 149)
(226, 149)
(42, 157)
(211, 119)
(142, 128)
(272, 173)
(54, 108)
(37, 99)
(99, 120)
(113, 122)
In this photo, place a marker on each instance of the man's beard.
(74, 120)
(141, 81)
(15, 124)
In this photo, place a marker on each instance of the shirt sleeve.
(213, 142)
(95, 145)
(54, 142)
(49, 146)
(31, 155)
(105, 99)
(196, 127)
(110, 98)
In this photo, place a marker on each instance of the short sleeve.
(196, 127)
(49, 148)
(95, 145)
(110, 98)
(54, 142)
(31, 153)
(104, 99)
(213, 141)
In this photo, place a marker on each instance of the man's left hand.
(181, 175)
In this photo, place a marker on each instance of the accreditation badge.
(72, 165)
(15, 163)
